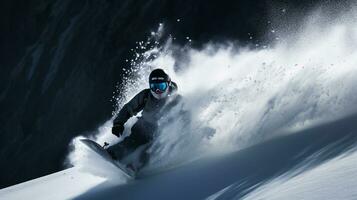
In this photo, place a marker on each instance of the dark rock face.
(61, 59)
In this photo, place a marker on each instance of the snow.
(318, 163)
(65, 184)
(280, 115)
(313, 163)
(336, 179)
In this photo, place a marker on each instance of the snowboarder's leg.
(144, 158)
(120, 150)
(141, 133)
(146, 132)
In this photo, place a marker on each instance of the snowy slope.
(318, 163)
(336, 179)
(62, 185)
(312, 158)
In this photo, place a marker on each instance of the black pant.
(141, 133)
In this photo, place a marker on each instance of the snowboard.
(98, 149)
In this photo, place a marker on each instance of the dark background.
(61, 60)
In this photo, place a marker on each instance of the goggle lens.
(158, 86)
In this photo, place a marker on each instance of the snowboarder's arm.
(130, 109)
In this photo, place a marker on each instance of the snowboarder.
(154, 102)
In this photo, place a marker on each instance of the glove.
(117, 130)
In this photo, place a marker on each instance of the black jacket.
(152, 108)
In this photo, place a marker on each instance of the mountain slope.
(307, 164)
(245, 171)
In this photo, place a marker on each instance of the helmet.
(159, 83)
(158, 75)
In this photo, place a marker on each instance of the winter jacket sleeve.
(131, 108)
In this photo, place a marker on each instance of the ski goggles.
(159, 87)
